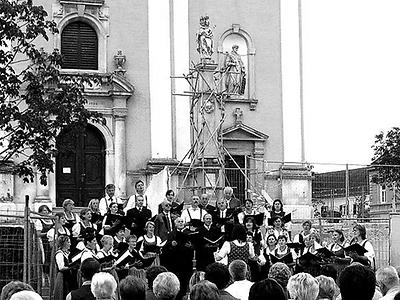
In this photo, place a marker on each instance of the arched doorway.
(80, 166)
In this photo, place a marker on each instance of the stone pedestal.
(296, 190)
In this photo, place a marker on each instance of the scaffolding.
(211, 85)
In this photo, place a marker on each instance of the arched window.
(79, 46)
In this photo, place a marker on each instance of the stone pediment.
(242, 132)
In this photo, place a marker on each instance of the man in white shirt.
(240, 287)
(140, 189)
(109, 198)
(194, 212)
(388, 281)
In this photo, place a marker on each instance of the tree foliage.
(36, 101)
(386, 159)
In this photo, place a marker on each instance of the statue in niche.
(205, 43)
(236, 73)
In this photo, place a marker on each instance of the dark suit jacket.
(228, 221)
(209, 208)
(83, 293)
(161, 224)
(135, 220)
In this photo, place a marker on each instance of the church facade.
(145, 50)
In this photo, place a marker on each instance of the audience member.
(103, 286)
(281, 273)
(89, 267)
(151, 274)
(241, 286)
(132, 287)
(303, 286)
(204, 290)
(14, 287)
(26, 295)
(357, 282)
(388, 281)
(218, 274)
(267, 289)
(166, 286)
(327, 288)
(194, 279)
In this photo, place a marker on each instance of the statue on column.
(236, 72)
(205, 43)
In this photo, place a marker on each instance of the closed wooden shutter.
(79, 46)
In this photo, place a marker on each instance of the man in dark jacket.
(89, 267)
(218, 274)
(136, 217)
(164, 221)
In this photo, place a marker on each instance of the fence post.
(347, 190)
(394, 197)
(26, 237)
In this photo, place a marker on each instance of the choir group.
(125, 236)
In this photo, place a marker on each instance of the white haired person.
(103, 286)
(71, 218)
(303, 286)
(387, 280)
(231, 201)
(166, 286)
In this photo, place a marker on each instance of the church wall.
(260, 19)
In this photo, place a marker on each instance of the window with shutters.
(79, 46)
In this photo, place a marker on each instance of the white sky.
(351, 73)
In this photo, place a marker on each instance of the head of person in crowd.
(248, 204)
(238, 270)
(166, 206)
(110, 190)
(139, 203)
(387, 279)
(249, 237)
(281, 273)
(170, 196)
(195, 201)
(89, 267)
(14, 287)
(63, 242)
(89, 238)
(303, 286)
(44, 210)
(151, 274)
(204, 200)
(327, 287)
(250, 224)
(68, 205)
(228, 193)
(307, 227)
(277, 206)
(338, 236)
(85, 214)
(179, 223)
(107, 242)
(357, 282)
(239, 233)
(221, 204)
(278, 223)
(120, 234)
(267, 289)
(204, 290)
(309, 240)
(196, 278)
(137, 273)
(26, 295)
(94, 205)
(271, 241)
(60, 219)
(132, 242)
(282, 241)
(103, 286)
(149, 227)
(329, 271)
(218, 274)
(270, 230)
(359, 232)
(166, 286)
(132, 287)
(113, 208)
(207, 219)
(139, 187)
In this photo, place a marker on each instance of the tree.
(386, 159)
(36, 101)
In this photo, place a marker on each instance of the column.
(42, 191)
(119, 113)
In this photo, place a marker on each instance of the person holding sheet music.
(90, 242)
(271, 243)
(85, 222)
(338, 260)
(277, 211)
(307, 229)
(150, 245)
(176, 208)
(112, 220)
(137, 217)
(63, 283)
(211, 239)
(224, 218)
(128, 257)
(311, 243)
(58, 229)
(360, 237)
(97, 218)
(71, 218)
(248, 210)
(194, 212)
(283, 253)
(279, 227)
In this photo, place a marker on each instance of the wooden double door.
(80, 166)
